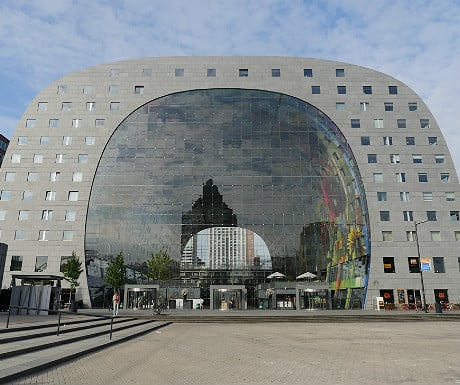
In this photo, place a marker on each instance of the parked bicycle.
(159, 308)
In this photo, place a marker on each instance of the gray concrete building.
(337, 169)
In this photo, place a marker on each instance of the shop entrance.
(228, 297)
(141, 297)
(311, 299)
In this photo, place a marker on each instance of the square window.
(60, 158)
(457, 236)
(2, 215)
(73, 196)
(147, 72)
(387, 140)
(454, 216)
(62, 89)
(47, 215)
(67, 235)
(43, 236)
(114, 106)
(408, 216)
(412, 106)
(98, 123)
(435, 236)
(22, 140)
(53, 123)
(378, 123)
(439, 158)
(450, 196)
(90, 140)
(76, 123)
(340, 106)
(388, 264)
(424, 123)
(445, 177)
(438, 265)
(211, 72)
(32, 177)
(66, 140)
(414, 264)
(42, 106)
(387, 236)
(19, 235)
(427, 196)
(243, 72)
(70, 215)
(423, 177)
(55, 176)
(364, 106)
(393, 90)
(433, 140)
(50, 195)
(340, 73)
(82, 158)
(179, 72)
(23, 215)
(355, 123)
(367, 90)
(90, 106)
(66, 106)
(388, 106)
(401, 123)
(10, 176)
(404, 196)
(27, 195)
(401, 177)
(87, 90)
(64, 260)
(315, 90)
(381, 196)
(395, 159)
(341, 90)
(365, 141)
(416, 158)
(384, 216)
(431, 216)
(5, 195)
(113, 89)
(371, 158)
(138, 90)
(31, 123)
(77, 176)
(38, 158)
(378, 177)
(276, 72)
(308, 72)
(16, 263)
(41, 264)
(410, 141)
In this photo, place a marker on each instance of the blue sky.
(416, 41)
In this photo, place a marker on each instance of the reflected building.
(237, 167)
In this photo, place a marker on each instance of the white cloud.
(417, 42)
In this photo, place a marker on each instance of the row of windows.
(388, 141)
(405, 196)
(55, 176)
(396, 159)
(41, 263)
(66, 140)
(378, 123)
(401, 177)
(47, 215)
(435, 235)
(39, 158)
(414, 264)
(89, 106)
(54, 123)
(408, 215)
(50, 195)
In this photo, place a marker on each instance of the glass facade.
(234, 184)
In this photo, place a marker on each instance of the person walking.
(116, 303)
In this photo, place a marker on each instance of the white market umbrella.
(276, 275)
(306, 275)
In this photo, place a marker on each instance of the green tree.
(115, 275)
(159, 266)
(72, 270)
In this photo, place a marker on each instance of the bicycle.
(159, 308)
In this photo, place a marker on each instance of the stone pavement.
(273, 353)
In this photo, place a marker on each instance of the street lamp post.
(420, 264)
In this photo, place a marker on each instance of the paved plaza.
(273, 353)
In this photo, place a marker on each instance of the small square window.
(2, 215)
(243, 72)
(387, 236)
(393, 90)
(339, 73)
(42, 106)
(55, 176)
(70, 215)
(66, 140)
(412, 106)
(355, 123)
(433, 140)
(371, 158)
(19, 235)
(77, 176)
(340, 106)
(87, 90)
(401, 177)
(38, 158)
(73, 196)
(367, 90)
(388, 106)
(67, 235)
(388, 265)
(53, 123)
(431, 216)
(435, 236)
(23, 215)
(401, 123)
(90, 140)
(179, 72)
(47, 215)
(146, 72)
(22, 140)
(455, 216)
(365, 141)
(211, 72)
(43, 236)
(90, 106)
(82, 158)
(404, 196)
(276, 72)
(378, 123)
(387, 140)
(66, 106)
(378, 177)
(16, 158)
(62, 89)
(438, 265)
(308, 72)
(384, 216)
(445, 177)
(410, 141)
(138, 90)
(424, 123)
(41, 262)
(114, 106)
(315, 90)
(5, 195)
(395, 159)
(439, 158)
(414, 264)
(27, 195)
(364, 106)
(32, 177)
(50, 195)
(416, 158)
(16, 263)
(408, 215)
(341, 90)
(31, 123)
(382, 196)
(450, 196)
(457, 238)
(427, 196)
(10, 177)
(98, 123)
(60, 158)
(423, 177)
(113, 89)
(76, 123)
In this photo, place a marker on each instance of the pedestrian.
(116, 302)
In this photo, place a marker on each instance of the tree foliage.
(115, 275)
(72, 270)
(159, 266)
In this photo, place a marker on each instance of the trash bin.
(438, 307)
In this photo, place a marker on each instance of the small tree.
(115, 275)
(159, 266)
(72, 270)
